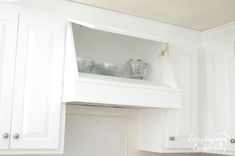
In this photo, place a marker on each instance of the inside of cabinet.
(104, 54)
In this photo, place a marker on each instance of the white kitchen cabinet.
(31, 74)
(183, 123)
(38, 82)
(168, 131)
(156, 90)
(8, 35)
(220, 94)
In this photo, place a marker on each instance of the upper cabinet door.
(182, 123)
(8, 34)
(38, 81)
(221, 93)
(231, 102)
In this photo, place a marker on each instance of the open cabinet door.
(38, 82)
(8, 35)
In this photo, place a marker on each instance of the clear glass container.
(108, 69)
(136, 69)
(85, 66)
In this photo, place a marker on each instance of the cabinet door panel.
(220, 69)
(38, 82)
(221, 91)
(182, 123)
(8, 34)
(231, 108)
(224, 76)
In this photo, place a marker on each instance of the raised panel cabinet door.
(182, 123)
(8, 34)
(38, 81)
(222, 93)
(231, 106)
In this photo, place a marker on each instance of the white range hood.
(91, 89)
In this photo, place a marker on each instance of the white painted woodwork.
(183, 123)
(115, 48)
(152, 130)
(157, 126)
(217, 36)
(217, 108)
(230, 115)
(40, 151)
(38, 81)
(118, 23)
(111, 91)
(220, 92)
(8, 35)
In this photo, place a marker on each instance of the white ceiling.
(194, 14)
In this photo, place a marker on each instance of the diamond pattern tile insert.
(96, 135)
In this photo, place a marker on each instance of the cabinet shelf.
(101, 46)
(125, 82)
(106, 91)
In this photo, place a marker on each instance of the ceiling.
(194, 14)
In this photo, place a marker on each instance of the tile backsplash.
(106, 123)
(104, 130)
(102, 115)
(95, 135)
